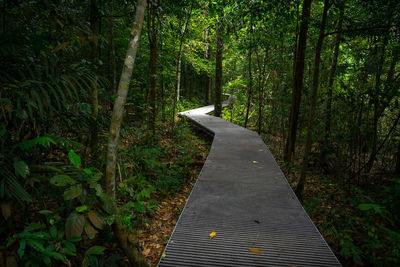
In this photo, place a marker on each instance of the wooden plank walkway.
(242, 196)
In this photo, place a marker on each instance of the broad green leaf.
(6, 210)
(81, 208)
(94, 178)
(21, 168)
(95, 250)
(72, 192)
(62, 180)
(366, 206)
(56, 256)
(36, 245)
(74, 158)
(74, 225)
(45, 212)
(21, 249)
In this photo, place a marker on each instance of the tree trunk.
(218, 68)
(250, 90)
(302, 180)
(152, 78)
(332, 77)
(297, 81)
(94, 24)
(125, 240)
(261, 83)
(397, 169)
(207, 77)
(112, 52)
(178, 67)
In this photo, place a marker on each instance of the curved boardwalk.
(243, 196)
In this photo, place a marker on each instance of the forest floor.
(351, 217)
(154, 235)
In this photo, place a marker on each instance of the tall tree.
(332, 75)
(125, 240)
(183, 31)
(250, 89)
(317, 60)
(207, 78)
(218, 65)
(94, 57)
(152, 75)
(297, 81)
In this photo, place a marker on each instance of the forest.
(96, 165)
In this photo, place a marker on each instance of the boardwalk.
(243, 196)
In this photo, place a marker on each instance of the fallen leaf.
(212, 234)
(257, 221)
(164, 255)
(254, 250)
(292, 198)
(281, 250)
(146, 252)
(254, 161)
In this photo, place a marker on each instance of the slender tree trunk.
(207, 57)
(112, 52)
(250, 90)
(218, 68)
(261, 85)
(152, 78)
(178, 67)
(297, 81)
(332, 77)
(125, 240)
(296, 37)
(94, 25)
(397, 169)
(302, 180)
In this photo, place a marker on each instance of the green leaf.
(3, 131)
(56, 256)
(74, 158)
(6, 210)
(81, 208)
(95, 178)
(42, 140)
(95, 250)
(62, 180)
(36, 245)
(46, 260)
(21, 249)
(74, 225)
(45, 212)
(72, 192)
(88, 171)
(21, 168)
(69, 249)
(366, 206)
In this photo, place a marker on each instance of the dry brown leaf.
(146, 252)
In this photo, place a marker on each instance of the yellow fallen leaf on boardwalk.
(254, 250)
(164, 255)
(255, 161)
(212, 234)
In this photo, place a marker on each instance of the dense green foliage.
(61, 62)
